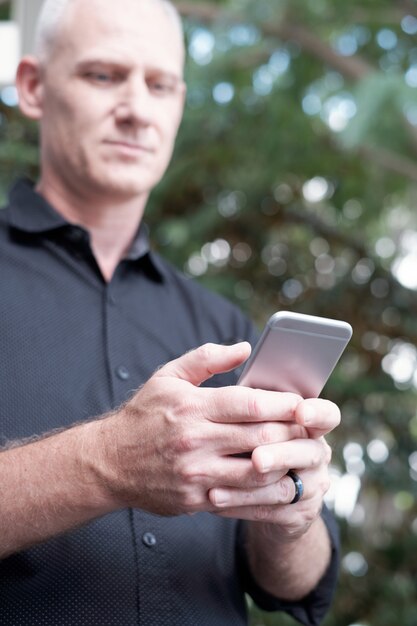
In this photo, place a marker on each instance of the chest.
(73, 347)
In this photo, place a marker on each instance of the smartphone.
(296, 353)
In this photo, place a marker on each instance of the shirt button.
(149, 540)
(122, 372)
(76, 234)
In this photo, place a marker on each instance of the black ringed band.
(299, 487)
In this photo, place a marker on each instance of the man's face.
(112, 98)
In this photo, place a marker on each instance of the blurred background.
(294, 186)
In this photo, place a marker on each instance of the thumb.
(203, 362)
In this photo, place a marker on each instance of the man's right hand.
(168, 451)
(174, 440)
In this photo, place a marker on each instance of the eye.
(103, 78)
(162, 86)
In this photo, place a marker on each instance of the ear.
(30, 87)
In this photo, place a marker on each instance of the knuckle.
(293, 400)
(191, 500)
(261, 480)
(310, 516)
(296, 431)
(185, 472)
(261, 513)
(315, 459)
(190, 474)
(264, 434)
(287, 490)
(254, 409)
(292, 529)
(206, 351)
(176, 408)
(184, 443)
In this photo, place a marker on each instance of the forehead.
(128, 31)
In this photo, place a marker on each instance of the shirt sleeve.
(312, 609)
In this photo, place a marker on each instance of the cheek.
(170, 130)
(59, 125)
(68, 140)
(168, 118)
(76, 114)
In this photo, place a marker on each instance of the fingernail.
(220, 497)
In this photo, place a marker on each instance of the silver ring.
(298, 484)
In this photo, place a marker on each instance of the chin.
(123, 187)
(124, 183)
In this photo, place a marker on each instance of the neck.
(111, 221)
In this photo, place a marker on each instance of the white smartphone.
(296, 353)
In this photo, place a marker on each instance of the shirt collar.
(31, 213)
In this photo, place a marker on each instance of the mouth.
(130, 148)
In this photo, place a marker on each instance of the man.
(123, 507)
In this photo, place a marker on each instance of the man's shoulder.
(4, 220)
(4, 208)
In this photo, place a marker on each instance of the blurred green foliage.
(293, 185)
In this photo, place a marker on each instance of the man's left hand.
(271, 503)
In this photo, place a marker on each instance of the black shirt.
(73, 347)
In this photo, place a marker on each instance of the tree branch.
(408, 7)
(391, 161)
(352, 68)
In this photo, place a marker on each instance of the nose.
(134, 106)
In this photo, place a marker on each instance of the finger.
(279, 492)
(318, 416)
(299, 453)
(297, 517)
(292, 516)
(203, 362)
(243, 404)
(244, 438)
(282, 490)
(238, 473)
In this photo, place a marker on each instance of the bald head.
(54, 12)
